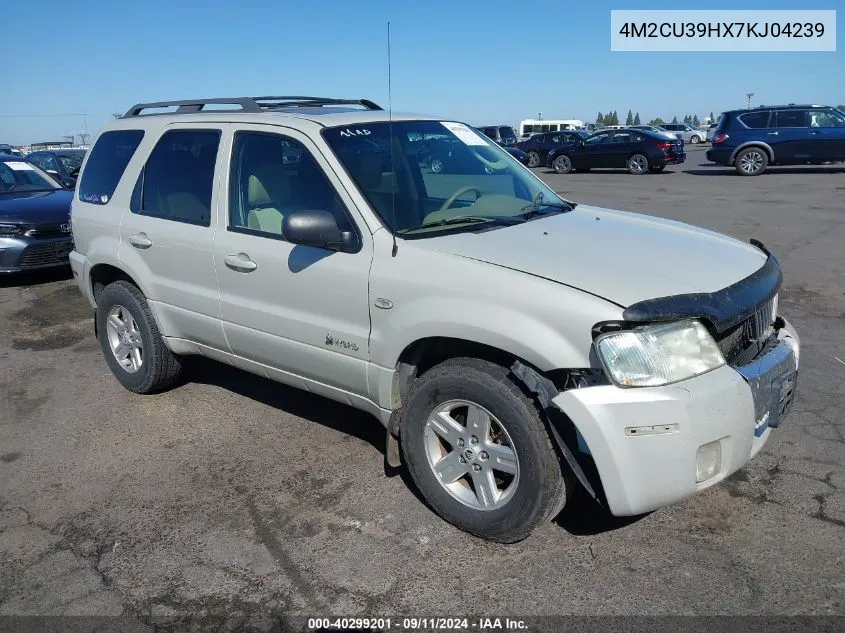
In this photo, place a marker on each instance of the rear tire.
(131, 342)
(751, 161)
(533, 159)
(469, 401)
(638, 165)
(561, 164)
(695, 140)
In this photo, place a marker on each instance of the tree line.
(612, 118)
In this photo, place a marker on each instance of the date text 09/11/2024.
(417, 624)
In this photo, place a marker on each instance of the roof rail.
(247, 104)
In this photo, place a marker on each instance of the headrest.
(268, 185)
(366, 170)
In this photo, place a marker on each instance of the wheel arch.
(770, 153)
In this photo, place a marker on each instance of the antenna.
(390, 143)
(748, 96)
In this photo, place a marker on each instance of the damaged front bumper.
(654, 446)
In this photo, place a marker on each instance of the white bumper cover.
(642, 470)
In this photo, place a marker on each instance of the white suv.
(510, 341)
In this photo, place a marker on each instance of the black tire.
(160, 367)
(638, 164)
(542, 487)
(695, 139)
(533, 159)
(751, 161)
(562, 164)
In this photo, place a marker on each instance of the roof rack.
(247, 104)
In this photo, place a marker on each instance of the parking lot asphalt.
(233, 494)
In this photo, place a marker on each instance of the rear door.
(827, 127)
(167, 237)
(594, 152)
(795, 144)
(622, 145)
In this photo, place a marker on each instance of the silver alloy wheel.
(695, 140)
(124, 339)
(562, 164)
(638, 164)
(533, 159)
(751, 162)
(471, 454)
(436, 165)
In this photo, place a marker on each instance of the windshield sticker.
(19, 166)
(464, 133)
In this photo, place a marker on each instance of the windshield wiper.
(463, 219)
(532, 207)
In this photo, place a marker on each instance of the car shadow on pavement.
(721, 170)
(584, 516)
(297, 402)
(35, 277)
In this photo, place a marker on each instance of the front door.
(593, 153)
(827, 133)
(298, 311)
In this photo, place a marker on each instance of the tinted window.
(598, 139)
(622, 137)
(265, 184)
(50, 162)
(755, 120)
(826, 118)
(791, 118)
(35, 159)
(111, 153)
(179, 176)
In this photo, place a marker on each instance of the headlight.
(9, 229)
(658, 354)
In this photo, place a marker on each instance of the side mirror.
(319, 229)
(69, 183)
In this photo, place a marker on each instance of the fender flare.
(762, 144)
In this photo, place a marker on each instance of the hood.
(36, 207)
(619, 256)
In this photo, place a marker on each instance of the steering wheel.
(451, 200)
(494, 165)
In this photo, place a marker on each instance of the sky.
(482, 62)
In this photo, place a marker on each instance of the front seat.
(268, 193)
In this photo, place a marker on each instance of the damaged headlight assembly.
(658, 354)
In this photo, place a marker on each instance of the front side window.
(430, 176)
(791, 118)
(826, 118)
(109, 158)
(178, 179)
(266, 184)
(597, 139)
(50, 163)
(71, 162)
(756, 120)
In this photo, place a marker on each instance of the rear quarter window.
(755, 120)
(106, 164)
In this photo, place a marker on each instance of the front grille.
(743, 342)
(46, 254)
(49, 230)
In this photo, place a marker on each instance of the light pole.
(748, 96)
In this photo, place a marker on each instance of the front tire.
(695, 140)
(478, 449)
(436, 165)
(751, 161)
(533, 159)
(562, 164)
(131, 342)
(638, 165)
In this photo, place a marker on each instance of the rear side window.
(178, 178)
(106, 164)
(790, 118)
(755, 120)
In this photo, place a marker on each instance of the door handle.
(240, 262)
(773, 133)
(814, 133)
(140, 240)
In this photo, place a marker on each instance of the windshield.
(71, 162)
(507, 135)
(18, 176)
(439, 172)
